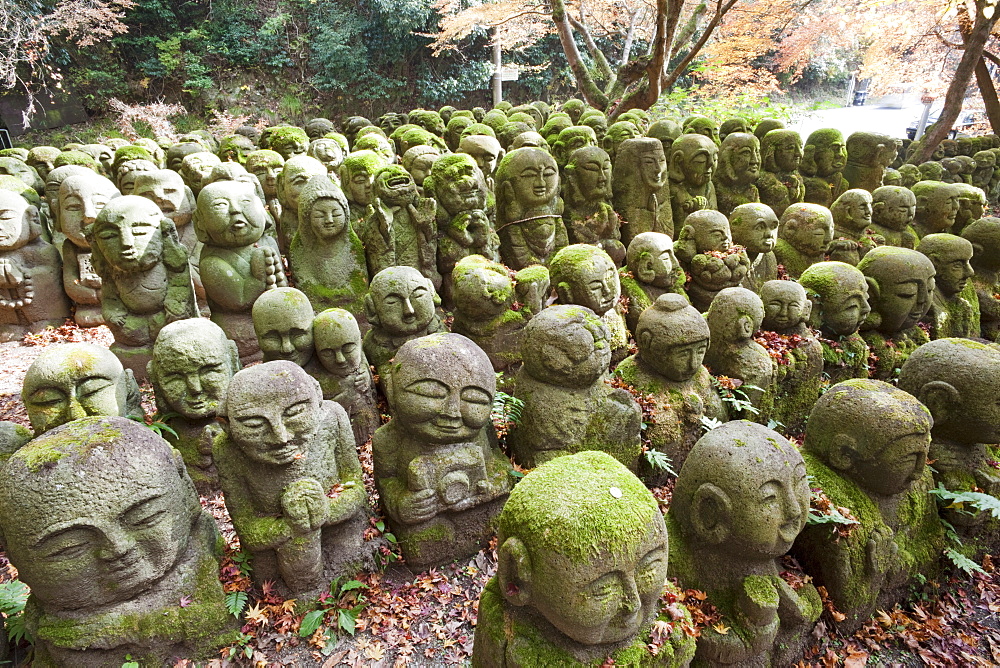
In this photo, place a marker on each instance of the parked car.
(966, 121)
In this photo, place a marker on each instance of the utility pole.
(497, 68)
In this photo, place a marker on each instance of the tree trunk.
(989, 93)
(592, 93)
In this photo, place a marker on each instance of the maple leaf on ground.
(257, 615)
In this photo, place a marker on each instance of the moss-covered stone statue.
(196, 167)
(618, 132)
(956, 380)
(672, 339)
(145, 275)
(484, 294)
(485, 150)
(985, 237)
(266, 166)
(797, 353)
(585, 275)
(839, 296)
(343, 372)
(733, 318)
(167, 190)
(866, 449)
(81, 198)
(954, 308)
(986, 163)
(705, 250)
(293, 178)
(292, 480)
(568, 407)
(805, 232)
(937, 207)
(779, 183)
(192, 365)
(326, 256)
(590, 217)
(571, 139)
(868, 156)
(357, 175)
(31, 286)
(582, 553)
(740, 500)
(901, 285)
(441, 478)
(852, 232)
(972, 202)
(103, 523)
(641, 188)
(692, 162)
(74, 380)
(238, 261)
(400, 306)
(529, 209)
(283, 322)
(893, 210)
(651, 269)
(755, 227)
(739, 167)
(822, 166)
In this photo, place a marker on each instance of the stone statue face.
(106, 541)
(394, 186)
(769, 510)
(167, 190)
(713, 234)
(744, 156)
(481, 294)
(484, 150)
(653, 166)
(130, 236)
(535, 180)
(273, 412)
(905, 296)
(755, 228)
(592, 173)
(952, 265)
(597, 287)
(465, 190)
(81, 198)
(328, 219)
(895, 209)
(338, 344)
(327, 151)
(830, 157)
(73, 381)
(196, 167)
(296, 177)
(231, 214)
(812, 235)
(602, 600)
(846, 307)
(404, 303)
(697, 159)
(940, 207)
(15, 222)
(421, 167)
(660, 251)
(676, 361)
(574, 359)
(267, 174)
(860, 213)
(892, 468)
(441, 403)
(193, 384)
(283, 321)
(785, 304)
(359, 189)
(788, 154)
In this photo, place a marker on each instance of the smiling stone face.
(403, 300)
(230, 214)
(905, 282)
(127, 234)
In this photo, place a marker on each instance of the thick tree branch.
(630, 35)
(592, 93)
(599, 58)
(721, 9)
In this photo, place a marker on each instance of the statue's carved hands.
(206, 442)
(880, 553)
(712, 273)
(756, 613)
(419, 506)
(265, 264)
(304, 505)
(11, 275)
(695, 204)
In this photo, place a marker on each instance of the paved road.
(873, 118)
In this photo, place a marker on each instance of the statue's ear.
(370, 310)
(677, 166)
(815, 317)
(565, 292)
(921, 202)
(711, 513)
(514, 572)
(807, 311)
(234, 355)
(808, 164)
(644, 268)
(843, 452)
(644, 339)
(943, 400)
(874, 318)
(34, 222)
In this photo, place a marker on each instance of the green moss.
(76, 439)
(761, 590)
(75, 158)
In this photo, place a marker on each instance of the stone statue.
(740, 500)
(893, 209)
(266, 166)
(866, 448)
(400, 227)
(440, 475)
(571, 139)
(377, 143)
(954, 308)
(484, 294)
(400, 306)
(755, 228)
(733, 318)
(292, 479)
(238, 262)
(283, 322)
(326, 256)
(293, 178)
(972, 203)
(672, 338)
(641, 188)
(357, 175)
(145, 276)
(705, 250)
(779, 183)
(823, 160)
(651, 269)
(192, 365)
(986, 163)
(739, 167)
(901, 284)
(529, 209)
(804, 235)
(74, 380)
(329, 152)
(485, 150)
(81, 198)
(419, 161)
(985, 237)
(955, 379)
(839, 296)
(31, 285)
(666, 131)
(342, 370)
(176, 201)
(103, 523)
(288, 141)
(580, 585)
(868, 155)
(937, 207)
(692, 162)
(852, 233)
(617, 133)
(585, 275)
(589, 216)
(196, 167)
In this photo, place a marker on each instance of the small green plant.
(735, 396)
(970, 503)
(659, 461)
(242, 646)
(13, 596)
(709, 423)
(386, 557)
(506, 409)
(243, 560)
(158, 423)
(129, 662)
(345, 599)
(236, 603)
